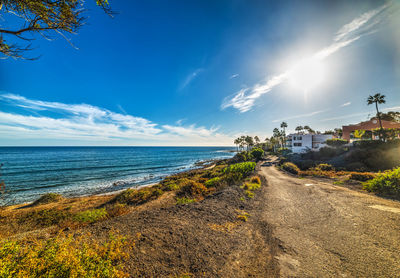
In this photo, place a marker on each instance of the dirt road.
(330, 231)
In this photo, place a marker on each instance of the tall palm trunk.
(381, 135)
(379, 115)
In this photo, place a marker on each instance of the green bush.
(243, 168)
(91, 215)
(356, 166)
(63, 257)
(137, 196)
(291, 168)
(362, 176)
(386, 183)
(335, 142)
(257, 153)
(325, 167)
(305, 164)
(214, 182)
(184, 200)
(232, 178)
(47, 198)
(251, 186)
(45, 217)
(242, 157)
(193, 189)
(255, 179)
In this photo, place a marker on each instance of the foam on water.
(29, 172)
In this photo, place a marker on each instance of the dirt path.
(330, 231)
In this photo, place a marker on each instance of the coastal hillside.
(200, 223)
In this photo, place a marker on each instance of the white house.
(299, 143)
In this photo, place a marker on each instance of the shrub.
(335, 142)
(319, 173)
(356, 166)
(243, 168)
(117, 209)
(291, 168)
(192, 189)
(45, 217)
(137, 196)
(326, 152)
(255, 179)
(47, 198)
(63, 257)
(184, 200)
(91, 215)
(249, 193)
(242, 157)
(325, 167)
(257, 153)
(305, 164)
(243, 217)
(214, 182)
(251, 186)
(233, 178)
(362, 176)
(387, 183)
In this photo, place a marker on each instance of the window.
(294, 137)
(299, 138)
(297, 144)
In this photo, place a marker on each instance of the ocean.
(29, 172)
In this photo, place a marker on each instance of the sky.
(202, 72)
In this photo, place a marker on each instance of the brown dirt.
(203, 239)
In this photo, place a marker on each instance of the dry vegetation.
(45, 238)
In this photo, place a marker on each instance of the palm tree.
(284, 126)
(237, 142)
(242, 142)
(277, 134)
(256, 140)
(309, 129)
(377, 99)
(249, 141)
(299, 128)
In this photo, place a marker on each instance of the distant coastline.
(30, 172)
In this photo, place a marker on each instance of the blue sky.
(203, 72)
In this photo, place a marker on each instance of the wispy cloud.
(362, 114)
(180, 121)
(244, 100)
(345, 104)
(300, 116)
(234, 76)
(190, 78)
(191, 130)
(35, 119)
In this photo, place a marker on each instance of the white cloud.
(234, 76)
(358, 22)
(300, 116)
(364, 114)
(345, 104)
(190, 78)
(91, 124)
(244, 99)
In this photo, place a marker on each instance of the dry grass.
(227, 227)
(63, 256)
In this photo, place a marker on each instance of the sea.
(29, 172)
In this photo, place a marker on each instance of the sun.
(307, 74)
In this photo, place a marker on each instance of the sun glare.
(307, 74)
